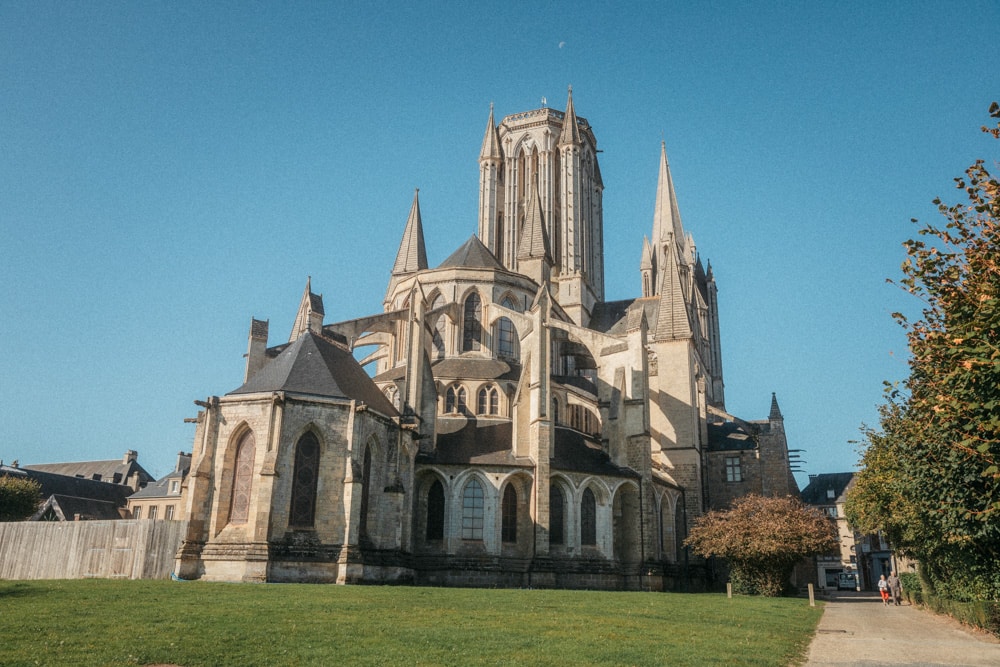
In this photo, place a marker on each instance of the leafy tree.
(19, 498)
(929, 476)
(762, 538)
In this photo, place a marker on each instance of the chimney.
(256, 348)
(130, 456)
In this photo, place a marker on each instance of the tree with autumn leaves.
(929, 478)
(762, 538)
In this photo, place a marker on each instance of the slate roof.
(607, 313)
(314, 366)
(815, 492)
(472, 255)
(476, 368)
(575, 452)
(67, 507)
(463, 441)
(88, 469)
(161, 487)
(55, 484)
(729, 436)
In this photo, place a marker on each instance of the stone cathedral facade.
(508, 426)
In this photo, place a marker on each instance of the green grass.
(100, 622)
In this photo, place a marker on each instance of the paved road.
(856, 629)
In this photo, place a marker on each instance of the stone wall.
(89, 549)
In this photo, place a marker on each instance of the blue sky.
(171, 170)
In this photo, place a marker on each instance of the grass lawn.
(101, 622)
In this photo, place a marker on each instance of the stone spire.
(775, 414)
(667, 227)
(673, 321)
(412, 255)
(533, 256)
(491, 141)
(534, 242)
(570, 130)
(310, 315)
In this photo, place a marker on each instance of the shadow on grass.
(16, 590)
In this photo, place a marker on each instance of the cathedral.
(505, 425)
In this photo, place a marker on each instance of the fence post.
(812, 597)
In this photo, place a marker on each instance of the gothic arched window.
(454, 399)
(507, 342)
(435, 511)
(305, 477)
(488, 401)
(472, 511)
(472, 328)
(508, 515)
(588, 518)
(556, 514)
(239, 506)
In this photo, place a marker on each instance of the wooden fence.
(89, 549)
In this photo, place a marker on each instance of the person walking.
(895, 588)
(883, 590)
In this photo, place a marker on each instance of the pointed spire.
(666, 216)
(672, 321)
(775, 414)
(534, 241)
(491, 141)
(310, 315)
(646, 263)
(570, 130)
(412, 255)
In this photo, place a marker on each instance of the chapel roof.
(315, 366)
(472, 255)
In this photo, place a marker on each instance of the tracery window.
(305, 477)
(239, 505)
(454, 400)
(472, 511)
(472, 328)
(556, 516)
(488, 401)
(508, 515)
(588, 518)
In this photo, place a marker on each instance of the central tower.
(556, 152)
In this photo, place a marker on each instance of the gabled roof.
(99, 471)
(816, 492)
(472, 255)
(55, 484)
(66, 508)
(314, 366)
